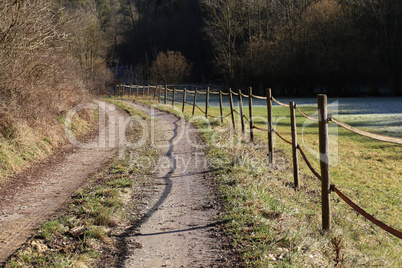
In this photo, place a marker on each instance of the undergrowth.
(43, 76)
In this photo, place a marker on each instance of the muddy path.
(178, 225)
(30, 198)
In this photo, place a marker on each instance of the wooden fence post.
(269, 109)
(160, 94)
(131, 89)
(207, 103)
(174, 96)
(147, 92)
(294, 144)
(324, 161)
(165, 100)
(221, 105)
(231, 108)
(195, 100)
(136, 90)
(154, 89)
(241, 111)
(250, 108)
(184, 99)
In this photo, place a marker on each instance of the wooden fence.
(323, 120)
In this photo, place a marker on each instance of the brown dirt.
(35, 195)
(179, 225)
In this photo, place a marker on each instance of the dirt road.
(35, 195)
(179, 223)
(178, 227)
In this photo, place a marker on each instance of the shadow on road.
(187, 229)
(167, 190)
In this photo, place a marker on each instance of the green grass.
(272, 225)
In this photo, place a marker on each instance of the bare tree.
(170, 67)
(224, 28)
(47, 54)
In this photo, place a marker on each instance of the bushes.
(170, 67)
(49, 62)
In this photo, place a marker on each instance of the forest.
(297, 47)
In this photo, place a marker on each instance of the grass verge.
(29, 143)
(273, 225)
(87, 233)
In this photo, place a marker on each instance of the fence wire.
(261, 129)
(310, 166)
(362, 212)
(374, 136)
(234, 93)
(259, 97)
(280, 103)
(306, 115)
(282, 138)
(366, 133)
(217, 117)
(353, 205)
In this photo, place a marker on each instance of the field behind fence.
(249, 125)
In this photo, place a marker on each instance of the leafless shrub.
(170, 67)
(50, 60)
